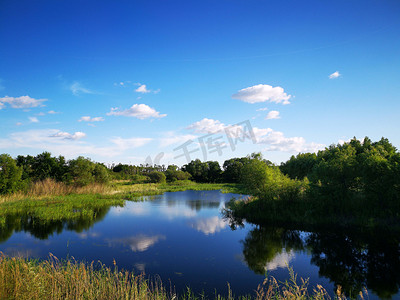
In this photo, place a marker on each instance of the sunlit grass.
(22, 278)
(53, 201)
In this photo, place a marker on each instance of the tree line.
(362, 169)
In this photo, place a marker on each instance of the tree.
(299, 166)
(233, 168)
(268, 183)
(198, 170)
(214, 171)
(173, 174)
(100, 173)
(81, 171)
(157, 177)
(10, 175)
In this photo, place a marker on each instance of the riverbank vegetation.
(355, 183)
(22, 278)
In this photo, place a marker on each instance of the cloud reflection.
(137, 243)
(280, 261)
(209, 225)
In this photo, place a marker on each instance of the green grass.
(22, 278)
(73, 206)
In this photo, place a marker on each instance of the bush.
(140, 179)
(174, 175)
(100, 174)
(157, 177)
(268, 182)
(10, 175)
(81, 171)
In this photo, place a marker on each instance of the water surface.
(183, 238)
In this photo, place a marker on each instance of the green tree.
(233, 168)
(214, 171)
(173, 174)
(10, 175)
(299, 166)
(198, 170)
(100, 173)
(268, 183)
(336, 173)
(157, 177)
(81, 171)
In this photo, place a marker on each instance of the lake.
(183, 238)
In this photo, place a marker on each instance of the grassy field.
(53, 279)
(52, 201)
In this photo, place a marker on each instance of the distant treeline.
(361, 169)
(18, 174)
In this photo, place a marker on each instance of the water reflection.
(182, 236)
(138, 243)
(262, 246)
(43, 229)
(209, 225)
(359, 259)
(352, 260)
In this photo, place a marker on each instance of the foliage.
(299, 166)
(157, 177)
(174, 174)
(81, 171)
(209, 171)
(100, 173)
(10, 175)
(267, 182)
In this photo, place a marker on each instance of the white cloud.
(207, 126)
(262, 109)
(277, 141)
(142, 89)
(140, 111)
(68, 136)
(89, 119)
(77, 89)
(52, 112)
(262, 93)
(273, 114)
(33, 119)
(22, 102)
(172, 138)
(213, 126)
(18, 123)
(335, 75)
(123, 144)
(1, 105)
(63, 143)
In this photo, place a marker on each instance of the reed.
(22, 278)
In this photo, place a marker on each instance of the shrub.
(10, 175)
(157, 177)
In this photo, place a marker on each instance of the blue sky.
(122, 81)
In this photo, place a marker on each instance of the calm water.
(183, 238)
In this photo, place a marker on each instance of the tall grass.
(22, 278)
(122, 189)
(49, 187)
(52, 279)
